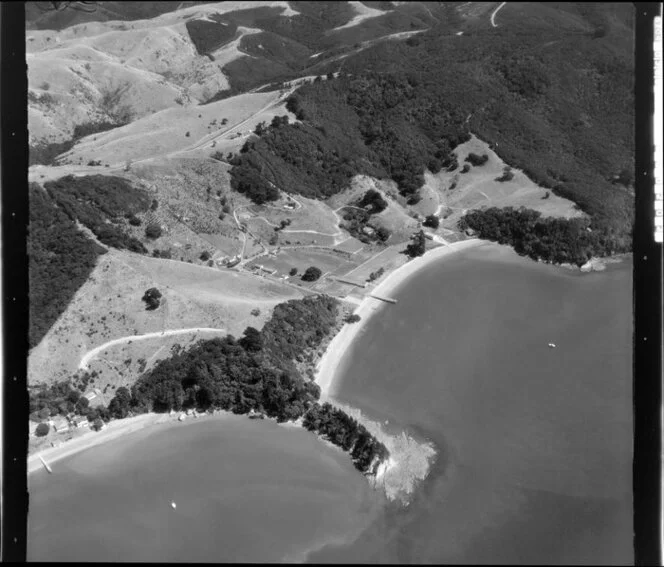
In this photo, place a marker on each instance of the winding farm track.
(493, 16)
(88, 356)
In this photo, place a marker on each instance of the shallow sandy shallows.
(112, 430)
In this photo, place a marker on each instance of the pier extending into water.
(386, 299)
(46, 465)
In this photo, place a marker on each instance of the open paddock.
(351, 244)
(302, 258)
(108, 306)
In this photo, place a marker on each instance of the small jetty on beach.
(46, 465)
(386, 299)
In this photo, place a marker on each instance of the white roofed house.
(90, 396)
(81, 421)
(60, 424)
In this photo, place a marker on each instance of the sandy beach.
(112, 430)
(327, 370)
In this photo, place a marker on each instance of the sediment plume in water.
(409, 462)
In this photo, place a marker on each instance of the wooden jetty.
(46, 466)
(386, 299)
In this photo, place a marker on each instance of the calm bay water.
(246, 491)
(535, 444)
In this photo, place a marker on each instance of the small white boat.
(173, 505)
(551, 345)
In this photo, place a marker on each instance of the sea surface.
(534, 443)
(245, 491)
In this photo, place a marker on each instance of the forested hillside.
(556, 102)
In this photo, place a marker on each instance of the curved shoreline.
(112, 430)
(328, 367)
(326, 373)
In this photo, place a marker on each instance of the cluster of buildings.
(64, 423)
(229, 262)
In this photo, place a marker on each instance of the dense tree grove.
(61, 399)
(376, 124)
(550, 239)
(256, 372)
(373, 202)
(100, 203)
(60, 259)
(344, 431)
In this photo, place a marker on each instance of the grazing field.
(108, 306)
(172, 130)
(389, 258)
(478, 188)
(302, 258)
(352, 245)
(306, 238)
(225, 245)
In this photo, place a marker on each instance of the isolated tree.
(152, 299)
(476, 159)
(311, 274)
(97, 424)
(256, 312)
(354, 318)
(42, 430)
(205, 256)
(154, 205)
(153, 231)
(382, 233)
(432, 221)
(292, 272)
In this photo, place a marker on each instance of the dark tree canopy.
(431, 221)
(42, 429)
(418, 246)
(152, 298)
(153, 231)
(551, 239)
(311, 274)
